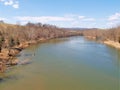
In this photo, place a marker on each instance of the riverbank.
(7, 56)
(106, 42)
(112, 43)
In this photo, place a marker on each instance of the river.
(65, 64)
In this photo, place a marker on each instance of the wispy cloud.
(66, 20)
(70, 20)
(46, 19)
(84, 18)
(1, 18)
(89, 19)
(114, 17)
(13, 3)
(81, 17)
(43, 19)
(113, 20)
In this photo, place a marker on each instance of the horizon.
(63, 13)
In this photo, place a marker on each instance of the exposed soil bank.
(107, 42)
(112, 43)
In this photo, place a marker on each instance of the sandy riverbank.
(112, 43)
(107, 42)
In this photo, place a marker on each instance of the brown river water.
(65, 64)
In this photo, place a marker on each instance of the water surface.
(65, 64)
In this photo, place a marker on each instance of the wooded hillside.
(11, 35)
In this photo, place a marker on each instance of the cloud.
(13, 3)
(81, 17)
(1, 18)
(10, 2)
(62, 21)
(113, 20)
(47, 19)
(114, 17)
(16, 5)
(113, 23)
(89, 19)
(44, 19)
(84, 18)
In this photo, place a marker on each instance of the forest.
(12, 35)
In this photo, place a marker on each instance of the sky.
(62, 13)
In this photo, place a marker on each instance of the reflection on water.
(65, 64)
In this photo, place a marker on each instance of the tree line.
(112, 34)
(11, 35)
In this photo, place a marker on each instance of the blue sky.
(63, 13)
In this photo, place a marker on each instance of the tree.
(1, 42)
(11, 42)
